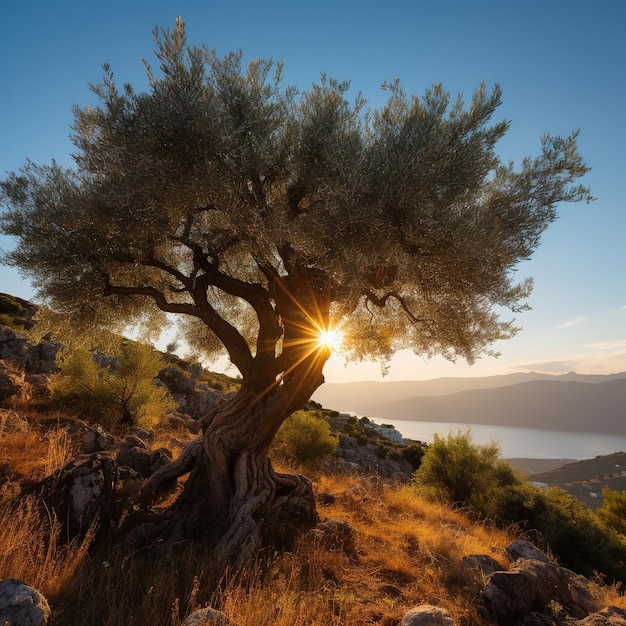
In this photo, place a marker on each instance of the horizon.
(618, 374)
(559, 66)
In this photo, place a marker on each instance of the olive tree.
(266, 216)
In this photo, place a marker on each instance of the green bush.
(573, 532)
(457, 471)
(123, 392)
(413, 453)
(304, 436)
(613, 509)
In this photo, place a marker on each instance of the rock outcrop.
(96, 486)
(529, 592)
(21, 605)
(427, 615)
(37, 358)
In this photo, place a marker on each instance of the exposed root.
(274, 514)
(166, 475)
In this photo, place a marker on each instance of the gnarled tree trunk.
(233, 496)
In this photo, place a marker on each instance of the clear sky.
(561, 64)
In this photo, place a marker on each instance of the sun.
(330, 338)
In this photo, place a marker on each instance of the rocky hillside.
(586, 479)
(380, 555)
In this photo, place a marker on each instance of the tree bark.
(233, 498)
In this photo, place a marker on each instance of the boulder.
(21, 605)
(326, 499)
(207, 617)
(481, 564)
(531, 586)
(334, 535)
(39, 385)
(427, 615)
(93, 488)
(13, 346)
(522, 549)
(33, 359)
(96, 439)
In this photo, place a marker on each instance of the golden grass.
(408, 551)
(31, 548)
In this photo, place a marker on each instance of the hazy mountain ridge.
(571, 402)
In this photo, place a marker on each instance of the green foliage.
(413, 453)
(121, 392)
(574, 533)
(613, 509)
(457, 471)
(304, 436)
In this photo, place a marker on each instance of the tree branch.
(234, 343)
(382, 301)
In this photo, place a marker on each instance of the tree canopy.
(266, 217)
(221, 194)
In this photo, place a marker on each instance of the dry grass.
(31, 547)
(408, 551)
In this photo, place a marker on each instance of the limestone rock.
(34, 359)
(513, 595)
(426, 615)
(522, 549)
(326, 499)
(39, 385)
(91, 488)
(481, 564)
(207, 617)
(21, 605)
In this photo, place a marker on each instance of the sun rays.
(330, 338)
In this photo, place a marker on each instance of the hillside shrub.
(113, 391)
(304, 436)
(613, 509)
(577, 536)
(413, 453)
(457, 471)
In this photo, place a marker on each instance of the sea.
(527, 443)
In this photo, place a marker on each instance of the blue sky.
(560, 64)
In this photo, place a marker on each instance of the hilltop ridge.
(571, 402)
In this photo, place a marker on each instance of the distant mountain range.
(569, 402)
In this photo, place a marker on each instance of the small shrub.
(413, 453)
(456, 471)
(304, 436)
(613, 509)
(122, 392)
